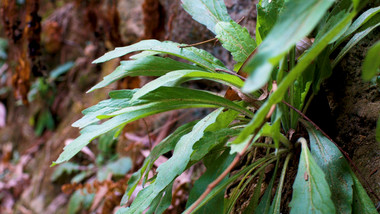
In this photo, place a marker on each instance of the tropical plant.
(275, 76)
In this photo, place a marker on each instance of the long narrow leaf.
(276, 205)
(264, 204)
(361, 20)
(164, 96)
(164, 99)
(169, 170)
(163, 147)
(215, 134)
(177, 77)
(192, 54)
(361, 201)
(121, 100)
(371, 64)
(335, 167)
(311, 192)
(284, 35)
(147, 66)
(369, 27)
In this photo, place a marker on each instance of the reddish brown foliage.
(23, 30)
(154, 19)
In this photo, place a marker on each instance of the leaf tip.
(91, 90)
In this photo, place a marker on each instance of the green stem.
(281, 70)
(263, 145)
(281, 184)
(308, 103)
(292, 58)
(238, 190)
(282, 139)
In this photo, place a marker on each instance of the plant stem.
(281, 70)
(292, 95)
(281, 184)
(230, 72)
(198, 43)
(264, 145)
(209, 40)
(239, 190)
(282, 139)
(308, 103)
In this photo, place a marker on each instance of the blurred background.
(46, 50)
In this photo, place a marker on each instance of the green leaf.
(264, 204)
(61, 70)
(301, 66)
(373, 23)
(235, 39)
(78, 202)
(284, 35)
(75, 202)
(169, 170)
(302, 86)
(267, 14)
(276, 204)
(119, 99)
(177, 77)
(211, 140)
(361, 20)
(166, 201)
(215, 134)
(245, 180)
(93, 131)
(335, 167)
(147, 66)
(371, 64)
(162, 201)
(323, 70)
(120, 167)
(107, 146)
(122, 210)
(192, 54)
(45, 121)
(361, 201)
(215, 165)
(253, 202)
(332, 20)
(311, 192)
(164, 98)
(163, 147)
(67, 168)
(3, 49)
(207, 12)
(273, 130)
(82, 175)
